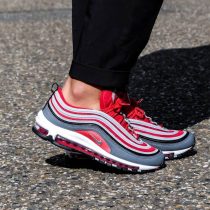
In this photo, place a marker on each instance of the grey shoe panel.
(189, 141)
(116, 149)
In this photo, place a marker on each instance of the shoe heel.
(41, 132)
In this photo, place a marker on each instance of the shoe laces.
(134, 111)
(115, 110)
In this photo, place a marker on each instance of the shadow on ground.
(62, 160)
(175, 85)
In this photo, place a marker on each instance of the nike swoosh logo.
(99, 142)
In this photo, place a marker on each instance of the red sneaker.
(105, 135)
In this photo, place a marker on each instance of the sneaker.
(104, 135)
(173, 143)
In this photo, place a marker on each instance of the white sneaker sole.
(169, 155)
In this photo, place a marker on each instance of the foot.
(105, 134)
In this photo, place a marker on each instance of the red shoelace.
(115, 111)
(133, 111)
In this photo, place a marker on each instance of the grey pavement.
(173, 75)
(29, 5)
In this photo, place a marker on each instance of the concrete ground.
(173, 75)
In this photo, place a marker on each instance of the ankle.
(81, 94)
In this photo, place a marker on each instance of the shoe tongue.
(107, 98)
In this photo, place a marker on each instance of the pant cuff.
(107, 79)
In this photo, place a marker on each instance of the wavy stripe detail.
(154, 132)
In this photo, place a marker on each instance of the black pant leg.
(79, 9)
(111, 35)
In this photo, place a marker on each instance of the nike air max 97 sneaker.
(105, 135)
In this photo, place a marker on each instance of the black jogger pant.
(108, 36)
